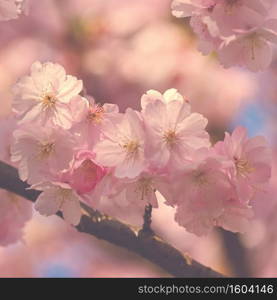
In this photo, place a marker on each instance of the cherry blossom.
(250, 48)
(117, 162)
(88, 125)
(141, 190)
(172, 130)
(207, 30)
(248, 162)
(57, 196)
(122, 145)
(240, 31)
(41, 151)
(200, 193)
(138, 192)
(45, 95)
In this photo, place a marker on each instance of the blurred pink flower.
(238, 30)
(238, 14)
(250, 48)
(14, 213)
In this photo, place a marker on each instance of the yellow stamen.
(170, 137)
(96, 115)
(243, 167)
(131, 147)
(48, 101)
(200, 178)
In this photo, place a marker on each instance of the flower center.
(65, 193)
(48, 101)
(170, 137)
(95, 114)
(45, 150)
(131, 147)
(243, 167)
(200, 178)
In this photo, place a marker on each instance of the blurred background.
(120, 49)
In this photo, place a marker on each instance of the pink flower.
(126, 198)
(201, 21)
(14, 213)
(200, 193)
(85, 174)
(41, 151)
(142, 189)
(44, 96)
(122, 144)
(57, 196)
(205, 197)
(89, 123)
(248, 161)
(207, 30)
(250, 48)
(10, 9)
(138, 192)
(237, 29)
(172, 131)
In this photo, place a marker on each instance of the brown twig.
(147, 220)
(104, 227)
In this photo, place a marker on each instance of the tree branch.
(142, 242)
(147, 220)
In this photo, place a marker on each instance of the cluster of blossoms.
(11, 9)
(240, 31)
(75, 150)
